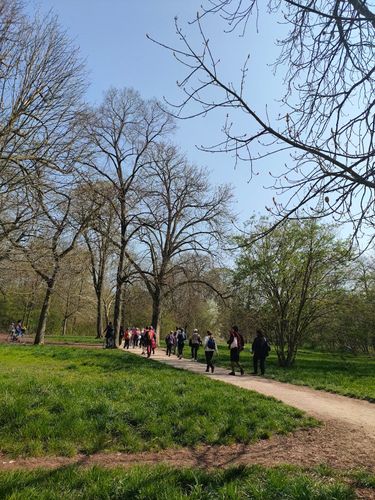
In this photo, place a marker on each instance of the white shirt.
(234, 343)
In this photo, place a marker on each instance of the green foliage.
(56, 400)
(285, 277)
(166, 483)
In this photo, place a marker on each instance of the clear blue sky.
(111, 35)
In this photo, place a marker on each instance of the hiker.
(236, 345)
(150, 341)
(169, 340)
(126, 339)
(121, 335)
(174, 341)
(143, 340)
(260, 349)
(134, 337)
(20, 330)
(12, 332)
(109, 336)
(180, 339)
(210, 347)
(195, 342)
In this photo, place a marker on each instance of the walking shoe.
(206, 370)
(231, 373)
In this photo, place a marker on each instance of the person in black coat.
(260, 349)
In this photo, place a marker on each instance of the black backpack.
(211, 344)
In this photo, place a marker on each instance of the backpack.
(211, 344)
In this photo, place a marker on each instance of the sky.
(111, 35)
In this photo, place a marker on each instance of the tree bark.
(41, 328)
(156, 314)
(64, 326)
(99, 320)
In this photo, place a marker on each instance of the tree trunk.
(41, 328)
(156, 314)
(117, 310)
(64, 326)
(99, 320)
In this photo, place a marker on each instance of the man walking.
(260, 349)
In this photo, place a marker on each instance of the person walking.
(169, 340)
(260, 349)
(210, 347)
(180, 340)
(195, 342)
(153, 339)
(109, 336)
(12, 332)
(174, 347)
(236, 345)
(127, 339)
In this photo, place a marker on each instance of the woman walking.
(210, 347)
(195, 342)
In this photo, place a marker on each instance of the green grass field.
(163, 483)
(64, 400)
(343, 374)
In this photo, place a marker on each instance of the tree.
(52, 235)
(122, 131)
(41, 88)
(326, 118)
(287, 276)
(98, 237)
(183, 219)
(72, 296)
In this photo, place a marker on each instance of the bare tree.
(183, 218)
(52, 235)
(326, 118)
(98, 238)
(122, 130)
(72, 288)
(41, 85)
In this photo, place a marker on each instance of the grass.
(58, 400)
(164, 483)
(75, 339)
(348, 375)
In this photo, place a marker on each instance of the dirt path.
(322, 405)
(346, 439)
(330, 444)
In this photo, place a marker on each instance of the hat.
(195, 330)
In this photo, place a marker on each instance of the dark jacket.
(260, 347)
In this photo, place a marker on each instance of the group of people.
(260, 349)
(175, 342)
(145, 338)
(16, 331)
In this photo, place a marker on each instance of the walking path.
(322, 405)
(345, 440)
